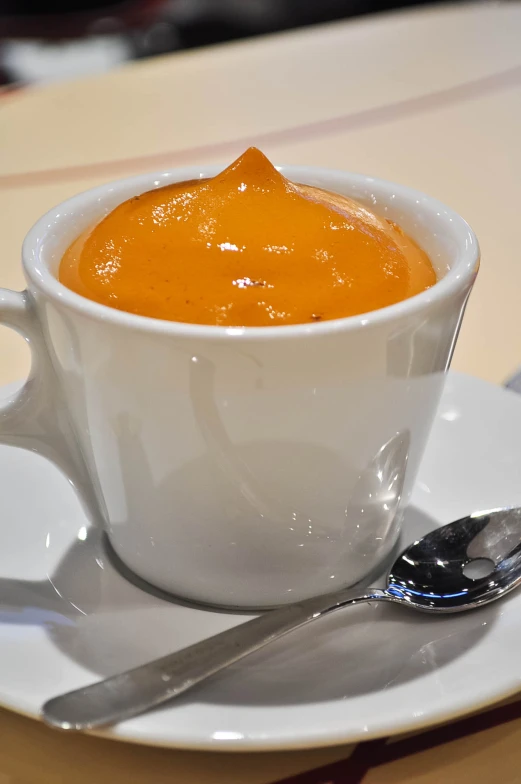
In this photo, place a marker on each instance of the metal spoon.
(457, 567)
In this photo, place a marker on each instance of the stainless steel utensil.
(457, 567)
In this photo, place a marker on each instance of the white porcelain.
(68, 617)
(241, 467)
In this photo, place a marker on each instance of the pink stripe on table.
(366, 118)
(373, 754)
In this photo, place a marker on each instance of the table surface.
(430, 98)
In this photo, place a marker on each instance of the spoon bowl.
(459, 566)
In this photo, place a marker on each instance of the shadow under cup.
(241, 467)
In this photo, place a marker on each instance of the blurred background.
(429, 96)
(46, 40)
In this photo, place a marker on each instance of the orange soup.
(245, 248)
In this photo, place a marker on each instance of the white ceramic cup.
(239, 467)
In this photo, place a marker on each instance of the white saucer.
(67, 616)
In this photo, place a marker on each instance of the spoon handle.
(137, 690)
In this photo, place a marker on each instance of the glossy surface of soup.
(245, 248)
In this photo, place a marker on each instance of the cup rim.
(458, 278)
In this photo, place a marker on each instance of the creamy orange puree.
(245, 248)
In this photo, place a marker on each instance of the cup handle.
(36, 417)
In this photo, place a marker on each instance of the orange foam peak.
(245, 248)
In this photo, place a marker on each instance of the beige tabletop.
(430, 98)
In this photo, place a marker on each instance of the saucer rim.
(311, 736)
